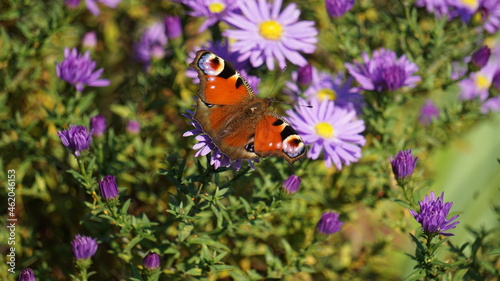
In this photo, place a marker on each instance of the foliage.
(222, 224)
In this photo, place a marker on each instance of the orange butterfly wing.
(236, 120)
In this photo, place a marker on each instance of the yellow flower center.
(216, 7)
(472, 4)
(482, 82)
(324, 130)
(271, 30)
(327, 94)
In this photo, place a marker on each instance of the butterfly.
(238, 122)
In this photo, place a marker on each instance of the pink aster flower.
(478, 83)
(205, 145)
(264, 33)
(213, 10)
(325, 85)
(329, 129)
(384, 71)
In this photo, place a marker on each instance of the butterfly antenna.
(294, 104)
(277, 80)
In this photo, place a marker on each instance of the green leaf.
(194, 272)
(125, 206)
(184, 231)
(416, 275)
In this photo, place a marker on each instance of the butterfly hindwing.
(276, 137)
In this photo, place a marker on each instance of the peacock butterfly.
(238, 122)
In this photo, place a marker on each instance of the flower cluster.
(323, 85)
(433, 213)
(152, 43)
(98, 125)
(108, 187)
(77, 138)
(27, 275)
(330, 129)
(264, 33)
(291, 184)
(337, 8)
(403, 164)
(477, 85)
(489, 11)
(84, 247)
(329, 223)
(78, 70)
(212, 10)
(428, 112)
(152, 261)
(384, 71)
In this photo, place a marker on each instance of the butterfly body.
(238, 122)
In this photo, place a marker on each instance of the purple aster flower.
(337, 8)
(108, 187)
(252, 80)
(205, 145)
(98, 125)
(84, 247)
(291, 184)
(403, 164)
(213, 10)
(27, 275)
(331, 129)
(464, 9)
(490, 12)
(72, 4)
(220, 48)
(491, 105)
(477, 85)
(384, 71)
(152, 43)
(79, 71)
(496, 79)
(133, 127)
(325, 85)
(481, 56)
(152, 260)
(77, 138)
(433, 213)
(173, 26)
(428, 112)
(304, 75)
(89, 40)
(264, 34)
(439, 7)
(329, 223)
